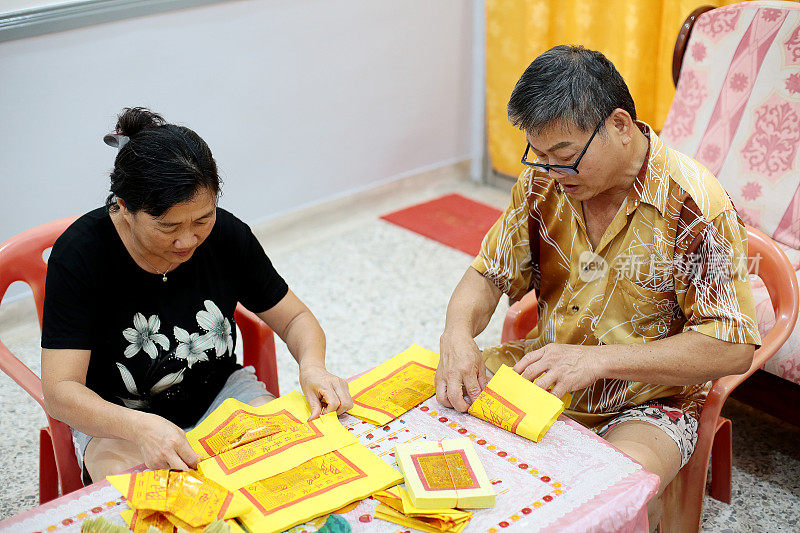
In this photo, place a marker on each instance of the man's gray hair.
(568, 85)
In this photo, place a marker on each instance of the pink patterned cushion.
(785, 363)
(737, 111)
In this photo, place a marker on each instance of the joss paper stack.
(290, 469)
(395, 386)
(396, 506)
(170, 499)
(444, 474)
(512, 402)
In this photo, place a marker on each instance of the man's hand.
(163, 444)
(567, 367)
(325, 392)
(461, 371)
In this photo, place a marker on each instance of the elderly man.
(636, 255)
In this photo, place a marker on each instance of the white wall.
(300, 100)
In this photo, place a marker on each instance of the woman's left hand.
(325, 392)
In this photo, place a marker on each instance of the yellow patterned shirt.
(673, 259)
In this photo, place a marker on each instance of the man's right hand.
(163, 444)
(461, 371)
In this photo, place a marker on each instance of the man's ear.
(622, 125)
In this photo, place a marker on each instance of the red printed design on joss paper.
(771, 148)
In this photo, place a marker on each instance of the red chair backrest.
(21, 259)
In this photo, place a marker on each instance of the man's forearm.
(684, 359)
(472, 304)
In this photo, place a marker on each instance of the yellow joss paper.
(277, 453)
(315, 488)
(444, 474)
(234, 423)
(190, 498)
(142, 522)
(512, 402)
(397, 507)
(431, 525)
(394, 387)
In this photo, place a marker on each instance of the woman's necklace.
(163, 274)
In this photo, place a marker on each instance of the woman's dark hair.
(568, 84)
(160, 166)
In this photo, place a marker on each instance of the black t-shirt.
(161, 347)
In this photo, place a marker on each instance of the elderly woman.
(138, 337)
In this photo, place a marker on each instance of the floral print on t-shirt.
(214, 336)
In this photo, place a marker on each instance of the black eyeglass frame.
(561, 169)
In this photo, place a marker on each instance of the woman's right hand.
(163, 444)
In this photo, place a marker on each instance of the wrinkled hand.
(325, 392)
(567, 367)
(461, 371)
(163, 444)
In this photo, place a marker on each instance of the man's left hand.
(566, 367)
(325, 392)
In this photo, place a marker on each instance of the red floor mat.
(452, 220)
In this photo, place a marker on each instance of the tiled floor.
(376, 288)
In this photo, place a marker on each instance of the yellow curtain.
(637, 36)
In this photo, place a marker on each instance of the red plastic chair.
(21, 260)
(683, 498)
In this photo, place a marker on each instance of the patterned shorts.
(681, 427)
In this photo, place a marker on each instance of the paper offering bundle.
(395, 386)
(169, 498)
(245, 444)
(512, 402)
(444, 474)
(396, 507)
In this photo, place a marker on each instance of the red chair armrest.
(521, 318)
(258, 347)
(775, 269)
(20, 373)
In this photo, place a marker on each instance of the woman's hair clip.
(116, 140)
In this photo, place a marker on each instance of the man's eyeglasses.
(561, 169)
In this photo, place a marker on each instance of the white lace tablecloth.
(571, 480)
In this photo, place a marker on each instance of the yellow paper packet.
(315, 488)
(234, 423)
(141, 522)
(444, 474)
(442, 519)
(513, 403)
(277, 453)
(395, 386)
(390, 514)
(191, 498)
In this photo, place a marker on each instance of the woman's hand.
(163, 444)
(325, 392)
